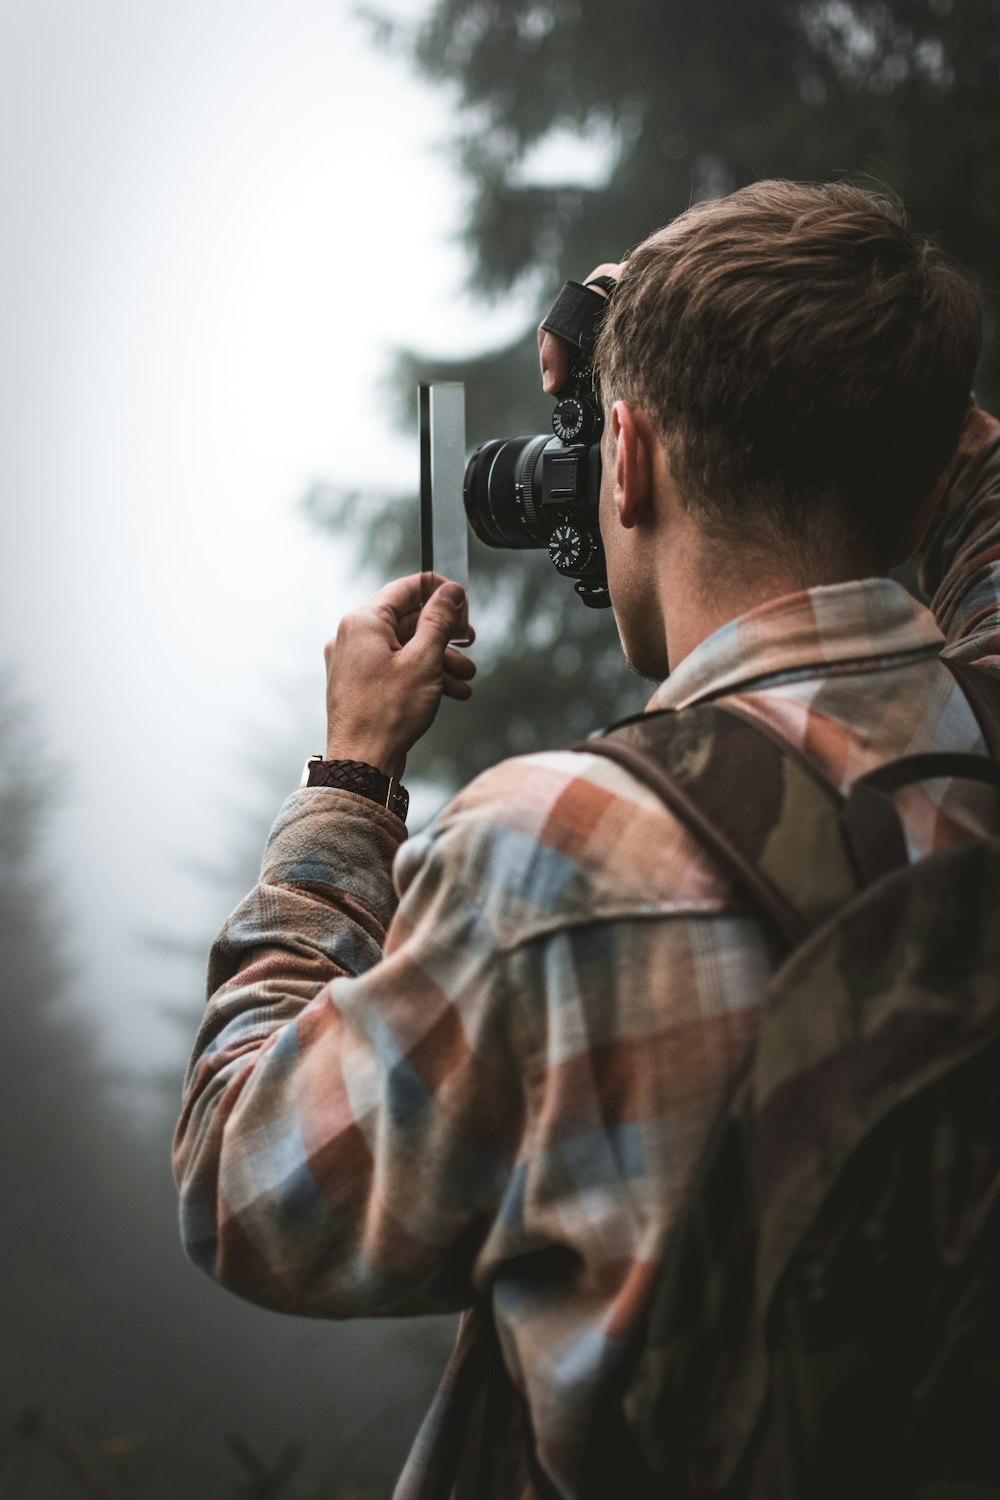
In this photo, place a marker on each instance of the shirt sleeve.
(960, 559)
(351, 1116)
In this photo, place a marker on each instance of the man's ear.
(632, 463)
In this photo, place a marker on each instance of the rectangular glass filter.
(444, 541)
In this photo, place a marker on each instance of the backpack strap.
(982, 689)
(868, 818)
(795, 847)
(871, 823)
(752, 801)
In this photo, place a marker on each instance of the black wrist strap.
(576, 314)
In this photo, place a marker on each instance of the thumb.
(439, 618)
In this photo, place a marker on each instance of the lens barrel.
(503, 492)
(541, 492)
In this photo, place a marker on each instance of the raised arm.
(960, 557)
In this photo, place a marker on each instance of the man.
(493, 1079)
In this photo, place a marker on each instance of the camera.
(542, 491)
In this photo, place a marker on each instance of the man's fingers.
(398, 603)
(457, 665)
(400, 595)
(406, 625)
(398, 609)
(439, 619)
(388, 668)
(553, 357)
(553, 352)
(606, 268)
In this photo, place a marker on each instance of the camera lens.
(503, 492)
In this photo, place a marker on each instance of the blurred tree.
(703, 99)
(118, 1360)
(52, 1124)
(687, 102)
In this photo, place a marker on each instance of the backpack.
(826, 1320)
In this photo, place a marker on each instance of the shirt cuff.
(332, 840)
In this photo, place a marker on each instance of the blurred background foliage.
(679, 102)
(123, 1371)
(135, 1367)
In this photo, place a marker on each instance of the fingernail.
(547, 382)
(453, 592)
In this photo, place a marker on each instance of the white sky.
(219, 216)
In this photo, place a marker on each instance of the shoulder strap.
(982, 689)
(869, 819)
(793, 845)
(751, 800)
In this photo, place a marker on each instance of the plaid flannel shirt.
(485, 1060)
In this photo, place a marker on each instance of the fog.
(219, 219)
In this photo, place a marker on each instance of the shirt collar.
(804, 632)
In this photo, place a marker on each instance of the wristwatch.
(358, 776)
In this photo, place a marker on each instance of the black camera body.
(543, 491)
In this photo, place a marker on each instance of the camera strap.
(575, 315)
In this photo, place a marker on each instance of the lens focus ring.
(524, 481)
(503, 485)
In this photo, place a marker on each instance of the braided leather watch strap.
(358, 776)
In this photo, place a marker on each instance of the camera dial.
(573, 420)
(570, 548)
(544, 492)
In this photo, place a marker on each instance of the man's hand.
(553, 352)
(386, 671)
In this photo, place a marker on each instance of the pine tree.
(697, 100)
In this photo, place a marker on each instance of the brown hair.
(806, 355)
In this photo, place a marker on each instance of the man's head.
(805, 360)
